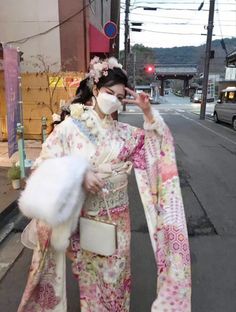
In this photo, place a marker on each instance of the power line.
(23, 40)
(222, 38)
(174, 2)
(178, 9)
(172, 17)
(174, 23)
(171, 33)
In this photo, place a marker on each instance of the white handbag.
(98, 236)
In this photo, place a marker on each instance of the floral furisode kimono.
(105, 282)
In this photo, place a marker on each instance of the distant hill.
(195, 55)
(177, 55)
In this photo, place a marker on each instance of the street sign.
(110, 30)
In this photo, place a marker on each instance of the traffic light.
(150, 69)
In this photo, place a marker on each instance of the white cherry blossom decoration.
(76, 110)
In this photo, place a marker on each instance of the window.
(231, 95)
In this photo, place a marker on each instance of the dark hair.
(115, 76)
(83, 92)
(63, 115)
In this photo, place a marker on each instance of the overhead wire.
(187, 20)
(23, 40)
(175, 2)
(171, 17)
(178, 9)
(221, 32)
(171, 33)
(173, 23)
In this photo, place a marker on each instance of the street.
(206, 154)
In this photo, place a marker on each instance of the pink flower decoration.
(105, 73)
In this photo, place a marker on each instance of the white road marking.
(205, 127)
(129, 113)
(218, 125)
(177, 112)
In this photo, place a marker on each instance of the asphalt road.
(206, 161)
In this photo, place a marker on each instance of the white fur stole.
(54, 194)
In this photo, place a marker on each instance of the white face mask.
(108, 103)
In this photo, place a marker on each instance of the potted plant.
(14, 174)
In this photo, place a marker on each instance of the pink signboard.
(11, 73)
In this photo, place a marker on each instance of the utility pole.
(207, 58)
(134, 68)
(127, 5)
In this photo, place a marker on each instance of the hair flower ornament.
(76, 110)
(99, 67)
(56, 117)
(90, 123)
(84, 116)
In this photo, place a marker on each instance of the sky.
(178, 22)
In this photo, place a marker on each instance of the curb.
(12, 221)
(6, 218)
(9, 212)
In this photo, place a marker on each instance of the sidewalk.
(32, 151)
(9, 196)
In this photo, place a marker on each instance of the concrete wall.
(74, 35)
(20, 19)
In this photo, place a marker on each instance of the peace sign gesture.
(142, 101)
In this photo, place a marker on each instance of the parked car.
(197, 96)
(150, 90)
(225, 108)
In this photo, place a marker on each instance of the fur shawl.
(54, 194)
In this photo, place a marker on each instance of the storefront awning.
(98, 42)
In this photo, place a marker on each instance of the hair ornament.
(99, 67)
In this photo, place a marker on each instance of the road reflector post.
(21, 150)
(43, 129)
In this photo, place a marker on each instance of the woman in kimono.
(112, 149)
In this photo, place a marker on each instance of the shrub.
(14, 172)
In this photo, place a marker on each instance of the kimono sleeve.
(133, 149)
(167, 222)
(53, 147)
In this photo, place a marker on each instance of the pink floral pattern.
(134, 150)
(46, 296)
(105, 281)
(40, 293)
(168, 231)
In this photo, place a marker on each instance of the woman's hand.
(142, 101)
(92, 183)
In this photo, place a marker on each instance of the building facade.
(56, 35)
(66, 32)
(230, 72)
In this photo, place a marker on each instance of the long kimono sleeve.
(46, 285)
(53, 146)
(46, 288)
(159, 188)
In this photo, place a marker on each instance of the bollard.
(43, 129)
(21, 148)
